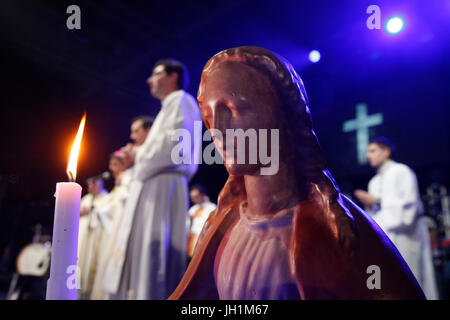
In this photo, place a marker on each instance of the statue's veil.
(296, 120)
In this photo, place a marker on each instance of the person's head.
(140, 127)
(198, 194)
(95, 185)
(118, 163)
(379, 151)
(167, 76)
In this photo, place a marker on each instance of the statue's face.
(237, 96)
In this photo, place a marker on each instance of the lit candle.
(65, 230)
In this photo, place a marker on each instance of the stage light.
(395, 24)
(314, 56)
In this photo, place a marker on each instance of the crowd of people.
(135, 241)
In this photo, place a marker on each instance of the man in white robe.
(116, 241)
(88, 233)
(154, 260)
(197, 215)
(139, 130)
(112, 214)
(393, 201)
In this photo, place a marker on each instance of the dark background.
(50, 75)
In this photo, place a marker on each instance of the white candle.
(61, 284)
(64, 242)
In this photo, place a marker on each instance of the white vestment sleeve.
(399, 207)
(155, 153)
(371, 210)
(105, 218)
(86, 202)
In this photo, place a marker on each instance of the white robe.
(399, 215)
(88, 235)
(194, 224)
(150, 256)
(111, 214)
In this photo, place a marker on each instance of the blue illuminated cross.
(361, 124)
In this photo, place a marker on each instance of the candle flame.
(72, 165)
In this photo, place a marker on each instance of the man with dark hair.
(198, 193)
(385, 143)
(169, 68)
(150, 257)
(111, 214)
(140, 127)
(146, 121)
(393, 201)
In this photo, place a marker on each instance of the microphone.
(104, 176)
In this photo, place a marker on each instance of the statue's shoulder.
(198, 281)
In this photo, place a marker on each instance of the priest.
(197, 215)
(112, 215)
(393, 201)
(154, 224)
(89, 233)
